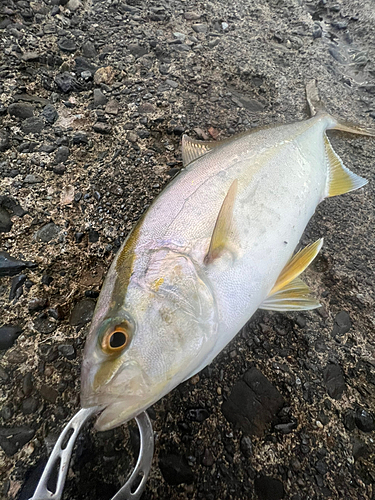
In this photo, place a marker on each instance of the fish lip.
(123, 413)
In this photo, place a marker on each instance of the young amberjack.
(215, 246)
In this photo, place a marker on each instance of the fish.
(216, 245)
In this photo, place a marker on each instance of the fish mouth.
(121, 398)
(118, 413)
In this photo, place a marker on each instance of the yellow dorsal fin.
(340, 179)
(224, 226)
(193, 149)
(294, 296)
(296, 265)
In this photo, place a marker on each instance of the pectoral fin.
(223, 231)
(294, 296)
(341, 180)
(193, 149)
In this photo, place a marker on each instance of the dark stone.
(8, 335)
(33, 179)
(27, 147)
(59, 169)
(49, 393)
(246, 446)
(10, 266)
(88, 49)
(341, 25)
(67, 45)
(268, 488)
(82, 312)
(301, 321)
(50, 113)
(198, 415)
(336, 54)
(47, 233)
(56, 313)
(80, 138)
(81, 65)
(66, 82)
(321, 467)
(253, 403)
(21, 110)
(112, 107)
(146, 107)
(62, 154)
(33, 125)
(175, 469)
(13, 439)
(29, 406)
(11, 205)
(27, 384)
(47, 148)
(286, 428)
(192, 16)
(342, 323)
(208, 459)
(5, 222)
(79, 237)
(364, 420)
(46, 279)
(242, 101)
(143, 134)
(360, 449)
(200, 28)
(334, 380)
(93, 236)
(44, 324)
(37, 304)
(317, 31)
(6, 413)
(136, 50)
(4, 140)
(67, 351)
(349, 420)
(102, 128)
(17, 283)
(99, 98)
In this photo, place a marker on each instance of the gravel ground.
(94, 98)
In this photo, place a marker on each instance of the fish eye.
(116, 338)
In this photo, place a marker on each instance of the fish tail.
(317, 108)
(340, 179)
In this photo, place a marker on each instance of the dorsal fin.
(296, 265)
(340, 179)
(223, 229)
(294, 296)
(193, 149)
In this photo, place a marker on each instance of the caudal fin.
(317, 107)
(340, 179)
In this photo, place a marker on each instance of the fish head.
(147, 336)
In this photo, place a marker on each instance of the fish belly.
(279, 189)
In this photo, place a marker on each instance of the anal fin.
(341, 180)
(294, 296)
(296, 265)
(290, 293)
